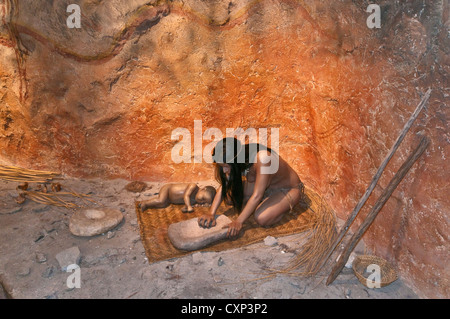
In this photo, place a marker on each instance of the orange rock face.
(104, 100)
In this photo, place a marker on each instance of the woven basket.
(387, 273)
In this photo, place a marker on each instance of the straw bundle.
(319, 238)
(55, 199)
(41, 195)
(18, 174)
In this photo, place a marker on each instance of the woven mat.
(153, 225)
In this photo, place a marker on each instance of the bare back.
(176, 192)
(284, 177)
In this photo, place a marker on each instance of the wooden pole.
(376, 208)
(376, 177)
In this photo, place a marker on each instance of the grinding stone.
(187, 235)
(91, 222)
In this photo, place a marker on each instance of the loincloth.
(285, 191)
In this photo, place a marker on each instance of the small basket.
(387, 273)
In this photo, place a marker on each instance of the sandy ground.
(114, 264)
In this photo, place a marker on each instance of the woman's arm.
(262, 181)
(209, 220)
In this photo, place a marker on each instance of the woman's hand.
(207, 221)
(234, 228)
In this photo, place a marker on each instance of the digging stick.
(376, 208)
(377, 176)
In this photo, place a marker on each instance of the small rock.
(270, 241)
(23, 271)
(41, 258)
(136, 187)
(110, 234)
(220, 262)
(68, 257)
(197, 258)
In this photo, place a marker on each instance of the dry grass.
(17, 174)
(318, 240)
(42, 195)
(60, 199)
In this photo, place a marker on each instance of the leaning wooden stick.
(376, 177)
(376, 208)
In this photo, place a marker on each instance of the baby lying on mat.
(180, 193)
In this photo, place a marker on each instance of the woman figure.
(265, 193)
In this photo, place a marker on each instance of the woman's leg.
(272, 209)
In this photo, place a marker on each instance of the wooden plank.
(401, 173)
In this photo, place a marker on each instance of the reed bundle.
(56, 199)
(41, 195)
(319, 237)
(18, 174)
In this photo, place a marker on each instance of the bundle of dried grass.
(42, 194)
(18, 174)
(57, 199)
(318, 240)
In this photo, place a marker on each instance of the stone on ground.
(91, 222)
(68, 257)
(187, 235)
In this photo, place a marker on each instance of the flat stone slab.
(187, 235)
(68, 257)
(91, 222)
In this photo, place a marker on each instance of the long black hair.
(240, 158)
